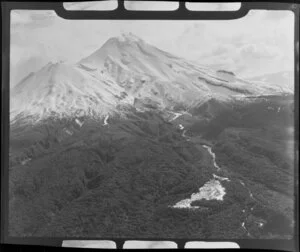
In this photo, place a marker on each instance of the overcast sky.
(257, 44)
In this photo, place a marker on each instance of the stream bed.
(214, 190)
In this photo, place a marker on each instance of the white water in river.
(212, 189)
(183, 133)
(105, 120)
(176, 116)
(220, 178)
(241, 182)
(79, 122)
(213, 156)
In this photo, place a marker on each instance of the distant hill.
(284, 79)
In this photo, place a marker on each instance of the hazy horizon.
(257, 44)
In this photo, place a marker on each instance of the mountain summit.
(129, 37)
(131, 55)
(126, 70)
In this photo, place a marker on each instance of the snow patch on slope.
(63, 91)
(123, 70)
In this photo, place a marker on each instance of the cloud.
(19, 18)
(250, 44)
(219, 50)
(259, 50)
(254, 44)
(223, 49)
(277, 15)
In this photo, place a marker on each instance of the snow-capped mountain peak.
(125, 70)
(129, 37)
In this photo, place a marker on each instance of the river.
(213, 189)
(244, 211)
(105, 120)
(213, 156)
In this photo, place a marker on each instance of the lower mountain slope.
(121, 176)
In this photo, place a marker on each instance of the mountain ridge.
(122, 70)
